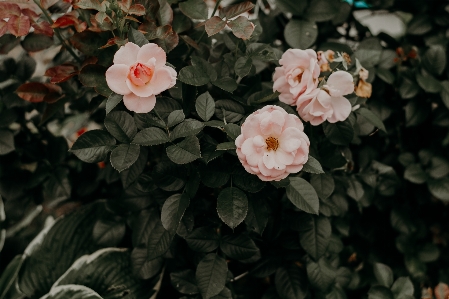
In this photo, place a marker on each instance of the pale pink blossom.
(327, 103)
(297, 75)
(272, 144)
(139, 74)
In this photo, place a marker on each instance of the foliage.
(100, 202)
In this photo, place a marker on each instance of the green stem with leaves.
(58, 33)
(204, 32)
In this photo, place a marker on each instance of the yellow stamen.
(272, 143)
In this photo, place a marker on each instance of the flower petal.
(163, 79)
(127, 54)
(283, 158)
(139, 104)
(116, 77)
(141, 91)
(340, 83)
(342, 108)
(151, 50)
(290, 139)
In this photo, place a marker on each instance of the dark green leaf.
(194, 9)
(9, 275)
(428, 82)
(321, 274)
(420, 24)
(37, 42)
(137, 37)
(93, 146)
(340, 133)
(113, 100)
(6, 142)
(257, 217)
(243, 66)
(229, 110)
(173, 210)
(121, 125)
(434, 60)
(205, 106)
(369, 52)
(439, 188)
(226, 83)
(57, 187)
(372, 118)
(291, 282)
(408, 89)
(323, 184)
(124, 155)
(226, 146)
(292, 6)
(312, 166)
(128, 176)
(193, 76)
(150, 136)
(108, 233)
(239, 247)
(159, 240)
(203, 239)
(300, 34)
(184, 282)
(175, 118)
(415, 174)
(72, 292)
(321, 10)
(185, 151)
(211, 275)
(232, 206)
(380, 292)
(143, 268)
(314, 234)
(403, 286)
(189, 127)
(303, 195)
(384, 274)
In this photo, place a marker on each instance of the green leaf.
(241, 27)
(371, 118)
(314, 234)
(194, 9)
(143, 268)
(292, 6)
(262, 97)
(214, 25)
(55, 249)
(175, 118)
(439, 188)
(121, 125)
(89, 271)
(428, 82)
(232, 206)
(355, 188)
(173, 210)
(72, 292)
(303, 195)
(124, 155)
(57, 187)
(184, 282)
(215, 174)
(416, 112)
(408, 89)
(193, 75)
(113, 100)
(369, 52)
(384, 274)
(415, 174)
(439, 167)
(300, 34)
(9, 275)
(159, 240)
(380, 292)
(229, 110)
(93, 146)
(323, 184)
(37, 42)
(203, 239)
(420, 24)
(403, 286)
(321, 10)
(93, 75)
(205, 106)
(150, 136)
(185, 151)
(385, 75)
(169, 176)
(321, 274)
(189, 127)
(243, 66)
(239, 247)
(6, 142)
(137, 37)
(444, 93)
(312, 166)
(226, 83)
(257, 217)
(247, 181)
(291, 282)
(434, 59)
(226, 146)
(340, 133)
(211, 275)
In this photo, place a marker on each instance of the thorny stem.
(204, 32)
(58, 34)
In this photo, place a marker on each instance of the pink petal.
(251, 126)
(340, 83)
(342, 108)
(162, 79)
(141, 91)
(151, 50)
(294, 168)
(290, 140)
(283, 158)
(269, 160)
(139, 104)
(251, 153)
(127, 54)
(293, 121)
(239, 140)
(116, 77)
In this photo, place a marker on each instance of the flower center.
(272, 143)
(139, 74)
(298, 78)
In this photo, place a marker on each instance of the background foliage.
(159, 202)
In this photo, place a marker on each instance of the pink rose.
(139, 74)
(272, 144)
(327, 103)
(297, 75)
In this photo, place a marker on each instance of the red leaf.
(70, 19)
(61, 73)
(43, 28)
(9, 9)
(137, 9)
(114, 41)
(125, 5)
(31, 14)
(442, 291)
(235, 10)
(88, 4)
(3, 27)
(241, 27)
(214, 25)
(90, 60)
(190, 41)
(19, 26)
(169, 41)
(33, 92)
(48, 3)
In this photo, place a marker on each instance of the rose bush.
(224, 149)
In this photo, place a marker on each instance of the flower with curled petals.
(272, 144)
(297, 75)
(327, 103)
(139, 74)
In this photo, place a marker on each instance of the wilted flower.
(323, 62)
(272, 144)
(363, 74)
(140, 73)
(363, 89)
(297, 75)
(329, 102)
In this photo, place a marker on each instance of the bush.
(155, 147)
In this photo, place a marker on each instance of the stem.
(58, 33)
(240, 276)
(202, 34)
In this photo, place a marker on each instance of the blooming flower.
(140, 73)
(327, 103)
(324, 58)
(297, 75)
(272, 144)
